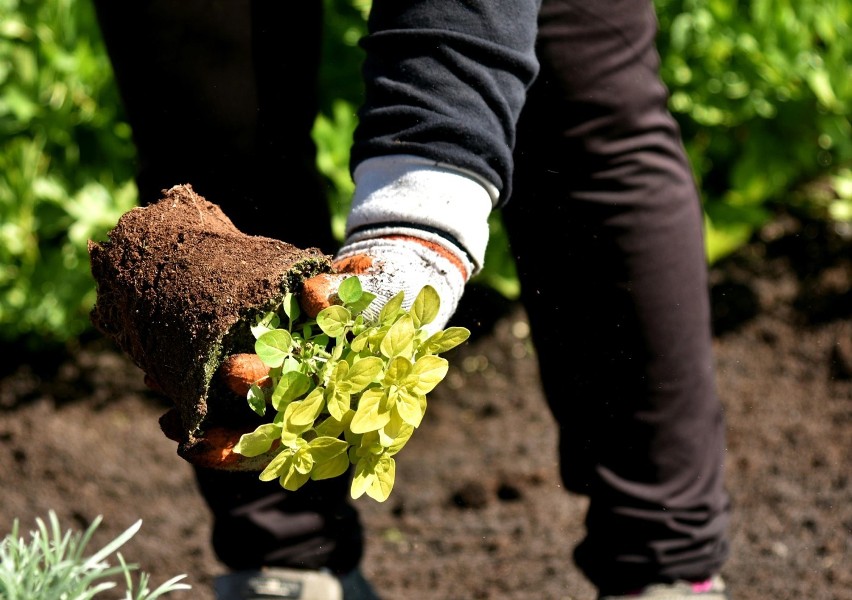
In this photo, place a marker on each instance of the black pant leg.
(221, 94)
(606, 225)
(258, 523)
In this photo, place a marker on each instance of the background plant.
(761, 89)
(345, 390)
(763, 92)
(54, 564)
(65, 165)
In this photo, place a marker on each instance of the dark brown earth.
(178, 288)
(478, 511)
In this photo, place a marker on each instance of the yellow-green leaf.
(291, 386)
(325, 448)
(444, 341)
(398, 369)
(293, 479)
(333, 467)
(333, 320)
(395, 434)
(303, 461)
(290, 432)
(277, 466)
(399, 337)
(258, 441)
(381, 484)
(338, 403)
(391, 309)
(306, 411)
(430, 370)
(363, 372)
(360, 342)
(410, 407)
(364, 474)
(330, 427)
(369, 416)
(426, 306)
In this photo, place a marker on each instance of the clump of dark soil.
(478, 511)
(178, 288)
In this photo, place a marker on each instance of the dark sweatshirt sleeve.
(446, 80)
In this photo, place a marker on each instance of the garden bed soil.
(478, 511)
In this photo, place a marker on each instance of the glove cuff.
(412, 196)
(407, 264)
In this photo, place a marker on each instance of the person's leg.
(221, 95)
(259, 524)
(606, 223)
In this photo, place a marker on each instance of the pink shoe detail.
(702, 586)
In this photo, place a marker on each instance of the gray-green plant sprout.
(54, 565)
(345, 392)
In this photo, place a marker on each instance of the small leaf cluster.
(345, 392)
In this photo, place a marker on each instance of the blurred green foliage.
(761, 89)
(65, 166)
(763, 92)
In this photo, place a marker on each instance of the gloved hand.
(412, 223)
(388, 265)
(385, 266)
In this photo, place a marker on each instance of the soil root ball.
(178, 287)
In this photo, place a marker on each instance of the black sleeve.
(446, 80)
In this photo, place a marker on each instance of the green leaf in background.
(265, 323)
(256, 399)
(66, 166)
(763, 93)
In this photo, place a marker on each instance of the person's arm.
(445, 82)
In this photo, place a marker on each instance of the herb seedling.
(55, 564)
(345, 392)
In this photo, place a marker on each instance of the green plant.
(53, 565)
(66, 166)
(345, 392)
(763, 92)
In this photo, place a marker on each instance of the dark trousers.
(605, 223)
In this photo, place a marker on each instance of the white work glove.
(413, 223)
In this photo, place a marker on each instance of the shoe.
(275, 583)
(712, 589)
